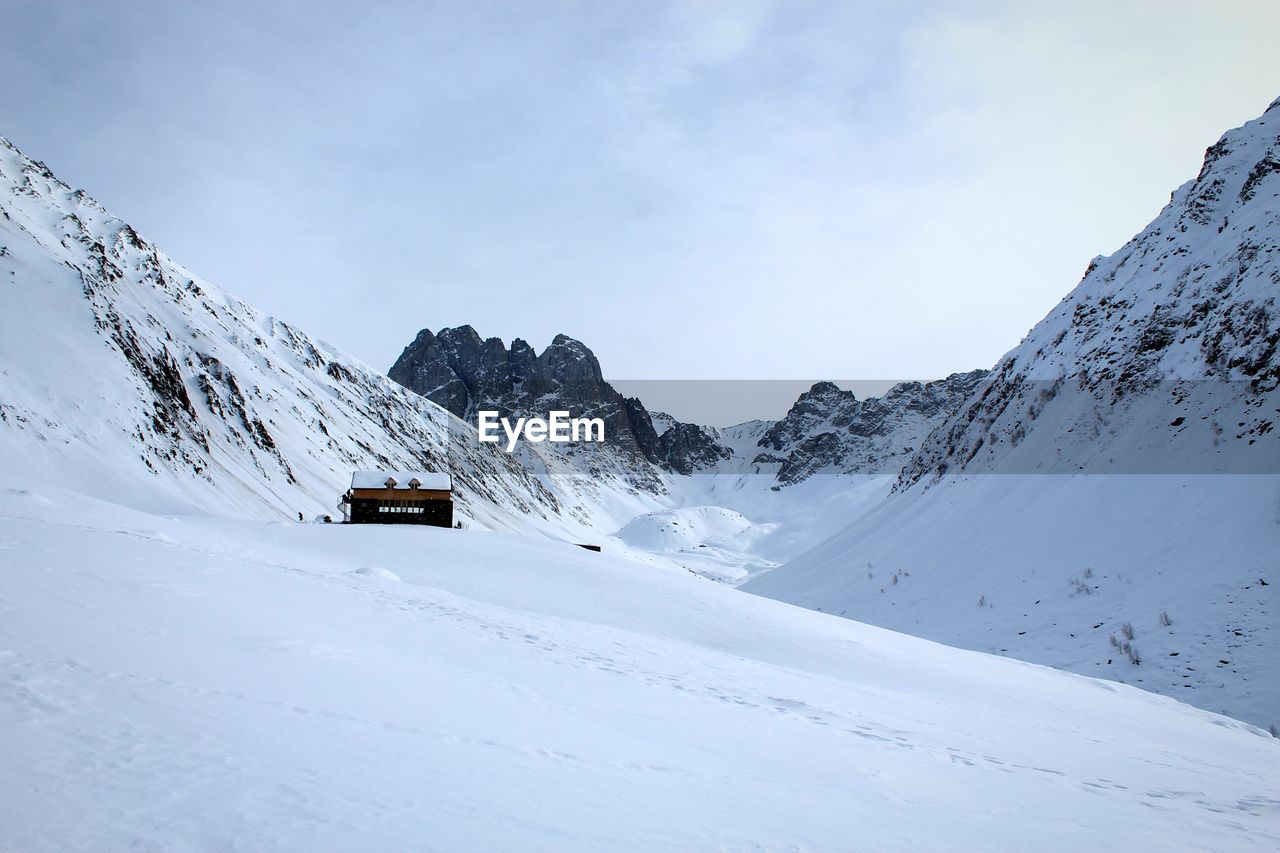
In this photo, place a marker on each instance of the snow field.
(196, 683)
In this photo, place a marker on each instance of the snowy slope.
(713, 541)
(1052, 569)
(1131, 432)
(1163, 359)
(196, 683)
(132, 378)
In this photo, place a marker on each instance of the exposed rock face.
(466, 374)
(1163, 359)
(661, 421)
(641, 425)
(829, 430)
(688, 448)
(822, 408)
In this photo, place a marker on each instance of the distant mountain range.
(826, 430)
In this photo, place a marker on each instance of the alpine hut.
(399, 497)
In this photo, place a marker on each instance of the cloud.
(695, 189)
(719, 31)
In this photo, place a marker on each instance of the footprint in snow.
(313, 649)
(29, 496)
(373, 573)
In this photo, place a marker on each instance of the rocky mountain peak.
(829, 429)
(569, 360)
(458, 370)
(825, 406)
(824, 388)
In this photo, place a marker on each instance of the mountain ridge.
(113, 352)
(826, 430)
(1178, 328)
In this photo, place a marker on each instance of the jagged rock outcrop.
(661, 421)
(465, 374)
(829, 430)
(689, 448)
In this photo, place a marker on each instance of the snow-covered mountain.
(1164, 358)
(828, 430)
(131, 376)
(1133, 530)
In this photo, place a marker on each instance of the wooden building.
(399, 497)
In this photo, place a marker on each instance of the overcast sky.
(694, 189)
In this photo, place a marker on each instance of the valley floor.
(196, 683)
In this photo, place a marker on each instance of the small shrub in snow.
(1127, 630)
(1164, 619)
(982, 600)
(1088, 573)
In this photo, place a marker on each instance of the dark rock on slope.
(830, 430)
(465, 374)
